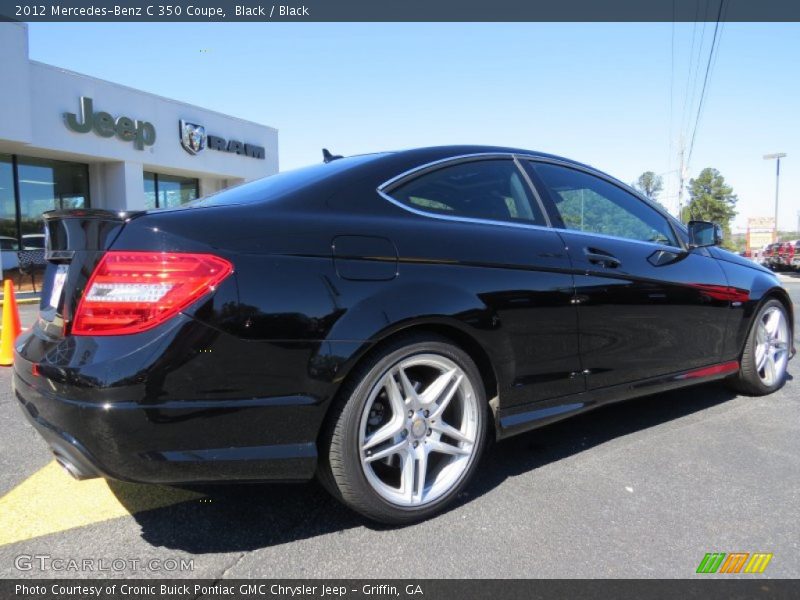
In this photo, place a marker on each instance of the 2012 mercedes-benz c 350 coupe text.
(375, 320)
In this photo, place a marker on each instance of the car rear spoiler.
(82, 229)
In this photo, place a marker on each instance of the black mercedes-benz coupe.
(375, 320)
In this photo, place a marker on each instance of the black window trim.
(384, 190)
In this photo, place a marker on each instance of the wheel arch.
(452, 332)
(780, 294)
(771, 293)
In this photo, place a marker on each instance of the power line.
(694, 67)
(685, 109)
(716, 54)
(705, 79)
(671, 88)
(694, 86)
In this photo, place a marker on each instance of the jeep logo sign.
(194, 140)
(141, 133)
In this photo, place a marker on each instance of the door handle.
(601, 257)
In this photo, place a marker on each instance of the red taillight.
(131, 292)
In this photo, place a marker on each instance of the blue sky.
(610, 95)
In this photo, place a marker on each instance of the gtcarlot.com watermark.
(47, 562)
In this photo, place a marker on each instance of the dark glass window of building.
(40, 185)
(167, 191)
(44, 185)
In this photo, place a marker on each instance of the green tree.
(649, 184)
(711, 199)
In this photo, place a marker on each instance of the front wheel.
(766, 352)
(408, 432)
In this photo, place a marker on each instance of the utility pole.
(777, 156)
(681, 178)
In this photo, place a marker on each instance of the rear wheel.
(766, 352)
(408, 433)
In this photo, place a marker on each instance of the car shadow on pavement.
(236, 518)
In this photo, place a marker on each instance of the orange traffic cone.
(11, 326)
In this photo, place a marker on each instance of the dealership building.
(68, 140)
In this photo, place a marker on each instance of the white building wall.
(123, 186)
(32, 123)
(15, 113)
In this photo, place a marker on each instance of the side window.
(588, 203)
(482, 189)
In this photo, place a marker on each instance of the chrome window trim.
(656, 245)
(422, 169)
(422, 213)
(454, 160)
(384, 189)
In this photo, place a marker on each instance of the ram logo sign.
(193, 137)
(734, 562)
(194, 140)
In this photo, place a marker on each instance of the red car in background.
(793, 255)
(784, 254)
(768, 256)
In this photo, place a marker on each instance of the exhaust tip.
(71, 468)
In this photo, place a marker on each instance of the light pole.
(777, 156)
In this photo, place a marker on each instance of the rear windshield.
(275, 186)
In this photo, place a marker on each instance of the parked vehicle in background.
(794, 255)
(9, 247)
(33, 241)
(769, 256)
(783, 259)
(766, 252)
(8, 253)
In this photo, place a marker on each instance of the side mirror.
(704, 233)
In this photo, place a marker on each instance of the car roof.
(466, 149)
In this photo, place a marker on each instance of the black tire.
(747, 380)
(340, 470)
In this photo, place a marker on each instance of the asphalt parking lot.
(640, 489)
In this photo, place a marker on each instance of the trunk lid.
(75, 241)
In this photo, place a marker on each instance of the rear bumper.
(68, 451)
(129, 449)
(120, 419)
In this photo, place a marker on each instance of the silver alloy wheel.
(772, 346)
(418, 430)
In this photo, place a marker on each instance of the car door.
(507, 257)
(647, 305)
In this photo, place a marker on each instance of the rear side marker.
(131, 292)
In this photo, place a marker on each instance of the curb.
(26, 300)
